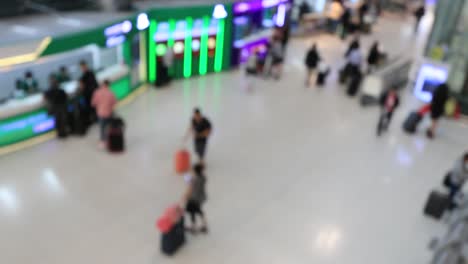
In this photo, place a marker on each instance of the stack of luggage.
(172, 228)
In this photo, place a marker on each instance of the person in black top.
(346, 23)
(439, 98)
(363, 9)
(200, 128)
(88, 85)
(311, 61)
(304, 9)
(373, 57)
(57, 103)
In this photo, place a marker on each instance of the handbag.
(447, 182)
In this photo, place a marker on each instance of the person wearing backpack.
(194, 198)
(311, 61)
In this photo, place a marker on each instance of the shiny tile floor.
(295, 176)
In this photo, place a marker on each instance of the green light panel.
(188, 48)
(204, 46)
(152, 53)
(219, 46)
(161, 49)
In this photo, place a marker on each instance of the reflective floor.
(295, 175)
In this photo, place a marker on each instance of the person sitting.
(456, 178)
(63, 75)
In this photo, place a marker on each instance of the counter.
(21, 119)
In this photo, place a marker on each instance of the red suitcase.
(182, 161)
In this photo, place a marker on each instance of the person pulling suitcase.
(194, 198)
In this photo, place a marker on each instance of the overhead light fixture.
(142, 21)
(219, 12)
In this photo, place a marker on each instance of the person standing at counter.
(63, 75)
(57, 106)
(104, 101)
(88, 85)
(30, 83)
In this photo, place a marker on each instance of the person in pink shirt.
(104, 101)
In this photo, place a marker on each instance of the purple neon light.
(281, 16)
(44, 126)
(247, 48)
(243, 7)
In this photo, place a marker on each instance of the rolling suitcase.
(174, 239)
(182, 161)
(115, 135)
(436, 204)
(411, 123)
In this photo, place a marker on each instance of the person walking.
(439, 98)
(194, 198)
(88, 85)
(200, 128)
(277, 58)
(457, 177)
(57, 106)
(311, 62)
(373, 57)
(104, 101)
(418, 15)
(389, 102)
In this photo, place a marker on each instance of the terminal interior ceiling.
(295, 175)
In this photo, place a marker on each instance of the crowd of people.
(92, 103)
(97, 102)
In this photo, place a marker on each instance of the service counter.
(24, 118)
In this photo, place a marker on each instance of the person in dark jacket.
(200, 129)
(418, 15)
(88, 85)
(195, 197)
(389, 101)
(363, 10)
(439, 98)
(311, 61)
(57, 103)
(345, 23)
(373, 57)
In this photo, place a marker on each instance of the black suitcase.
(436, 204)
(411, 123)
(354, 84)
(321, 78)
(174, 239)
(115, 135)
(77, 119)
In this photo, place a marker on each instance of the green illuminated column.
(172, 28)
(188, 48)
(204, 46)
(143, 57)
(219, 46)
(170, 42)
(152, 53)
